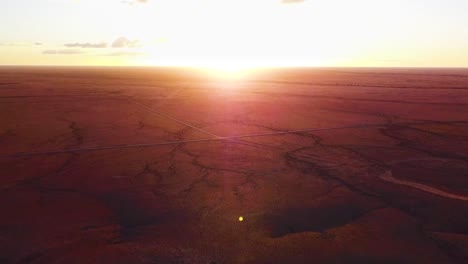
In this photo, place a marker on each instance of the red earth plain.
(172, 165)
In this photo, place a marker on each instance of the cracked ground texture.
(382, 179)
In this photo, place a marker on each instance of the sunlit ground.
(229, 71)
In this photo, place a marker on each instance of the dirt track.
(388, 177)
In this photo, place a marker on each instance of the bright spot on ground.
(241, 218)
(229, 72)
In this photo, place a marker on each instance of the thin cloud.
(133, 2)
(86, 45)
(20, 44)
(292, 1)
(124, 42)
(63, 52)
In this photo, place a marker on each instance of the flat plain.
(157, 165)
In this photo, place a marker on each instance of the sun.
(233, 36)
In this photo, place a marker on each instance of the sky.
(235, 33)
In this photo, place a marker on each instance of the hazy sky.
(235, 33)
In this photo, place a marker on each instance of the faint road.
(215, 137)
(387, 176)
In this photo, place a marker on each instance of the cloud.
(124, 42)
(63, 52)
(292, 1)
(132, 2)
(86, 45)
(38, 43)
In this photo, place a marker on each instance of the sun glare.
(231, 36)
(234, 36)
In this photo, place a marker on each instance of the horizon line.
(253, 67)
